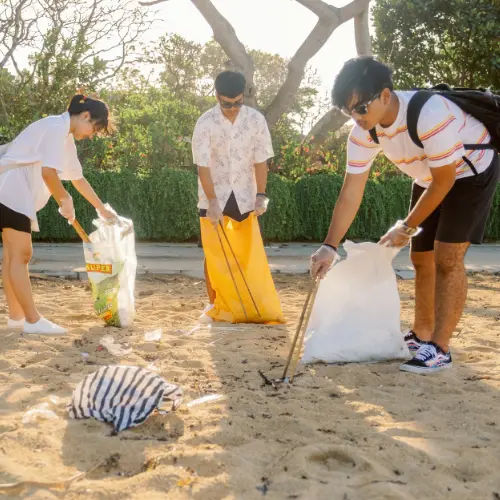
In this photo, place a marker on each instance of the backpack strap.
(479, 146)
(415, 105)
(471, 165)
(373, 135)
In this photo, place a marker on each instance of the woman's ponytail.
(77, 104)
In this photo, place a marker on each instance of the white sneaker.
(43, 327)
(204, 317)
(16, 324)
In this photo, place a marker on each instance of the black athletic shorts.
(14, 220)
(462, 215)
(231, 210)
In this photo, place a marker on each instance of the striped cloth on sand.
(122, 395)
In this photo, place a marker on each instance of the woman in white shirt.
(32, 167)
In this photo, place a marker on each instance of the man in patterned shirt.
(452, 194)
(231, 145)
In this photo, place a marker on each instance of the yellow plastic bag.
(246, 242)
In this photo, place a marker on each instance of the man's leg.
(422, 257)
(451, 290)
(425, 282)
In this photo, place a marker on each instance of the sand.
(340, 432)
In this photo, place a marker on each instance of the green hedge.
(163, 206)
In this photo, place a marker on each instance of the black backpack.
(479, 103)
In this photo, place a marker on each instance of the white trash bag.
(356, 314)
(111, 266)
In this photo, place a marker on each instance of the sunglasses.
(229, 105)
(359, 109)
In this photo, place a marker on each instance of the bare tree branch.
(147, 4)
(15, 29)
(329, 18)
(226, 37)
(362, 34)
(333, 119)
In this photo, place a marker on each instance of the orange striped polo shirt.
(443, 129)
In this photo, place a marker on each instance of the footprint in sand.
(318, 459)
(337, 460)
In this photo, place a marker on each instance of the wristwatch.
(410, 231)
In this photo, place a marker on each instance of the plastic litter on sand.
(40, 411)
(209, 398)
(113, 348)
(153, 335)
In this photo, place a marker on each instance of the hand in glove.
(322, 260)
(399, 235)
(107, 213)
(261, 202)
(67, 210)
(214, 212)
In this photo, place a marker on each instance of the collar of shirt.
(400, 120)
(225, 121)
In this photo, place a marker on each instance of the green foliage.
(315, 197)
(281, 222)
(154, 130)
(433, 41)
(296, 158)
(426, 41)
(189, 68)
(383, 203)
(162, 204)
(492, 232)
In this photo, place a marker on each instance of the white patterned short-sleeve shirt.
(231, 150)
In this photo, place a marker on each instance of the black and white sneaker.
(429, 358)
(412, 341)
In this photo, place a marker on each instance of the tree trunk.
(226, 37)
(362, 34)
(329, 18)
(333, 119)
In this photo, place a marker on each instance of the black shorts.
(462, 215)
(231, 210)
(14, 220)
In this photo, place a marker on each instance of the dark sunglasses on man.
(229, 105)
(359, 109)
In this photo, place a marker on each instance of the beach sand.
(355, 431)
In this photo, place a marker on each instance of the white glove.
(108, 214)
(214, 212)
(261, 202)
(67, 210)
(399, 235)
(322, 260)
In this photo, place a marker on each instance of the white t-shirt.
(230, 150)
(44, 143)
(443, 129)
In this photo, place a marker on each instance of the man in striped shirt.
(451, 197)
